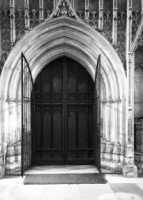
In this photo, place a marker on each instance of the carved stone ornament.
(64, 9)
(140, 40)
(138, 37)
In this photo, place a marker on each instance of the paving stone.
(127, 189)
(127, 196)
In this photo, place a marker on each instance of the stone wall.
(2, 171)
(13, 158)
(112, 157)
(16, 19)
(138, 98)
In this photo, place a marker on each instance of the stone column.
(129, 169)
(41, 10)
(12, 22)
(100, 24)
(115, 18)
(26, 16)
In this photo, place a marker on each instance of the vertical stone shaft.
(129, 139)
(128, 47)
(55, 3)
(0, 37)
(73, 5)
(100, 24)
(41, 9)
(114, 29)
(86, 9)
(27, 17)
(0, 44)
(142, 8)
(12, 21)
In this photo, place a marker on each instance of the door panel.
(64, 120)
(71, 129)
(46, 129)
(38, 126)
(82, 130)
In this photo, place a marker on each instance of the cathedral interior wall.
(17, 21)
(138, 98)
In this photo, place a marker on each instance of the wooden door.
(97, 114)
(64, 114)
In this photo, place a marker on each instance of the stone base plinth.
(111, 165)
(12, 168)
(130, 170)
(2, 171)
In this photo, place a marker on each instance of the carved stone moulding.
(103, 145)
(2, 169)
(129, 170)
(13, 158)
(110, 158)
(136, 19)
(109, 147)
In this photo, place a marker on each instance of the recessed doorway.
(64, 93)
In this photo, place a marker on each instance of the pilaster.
(26, 15)
(100, 24)
(12, 22)
(72, 4)
(55, 3)
(41, 10)
(129, 169)
(86, 10)
(142, 8)
(114, 29)
(2, 168)
(0, 41)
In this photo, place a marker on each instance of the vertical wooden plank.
(77, 110)
(65, 107)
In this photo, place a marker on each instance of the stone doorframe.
(69, 37)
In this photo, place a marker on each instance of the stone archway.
(72, 38)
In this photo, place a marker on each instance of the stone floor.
(117, 188)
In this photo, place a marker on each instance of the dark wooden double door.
(64, 93)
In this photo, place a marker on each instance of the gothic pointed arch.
(64, 34)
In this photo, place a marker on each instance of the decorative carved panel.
(107, 26)
(136, 15)
(5, 35)
(20, 24)
(121, 37)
